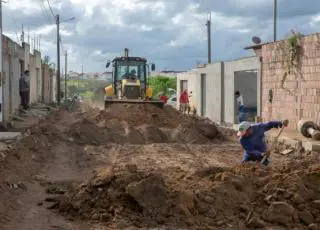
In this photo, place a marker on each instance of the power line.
(45, 12)
(53, 15)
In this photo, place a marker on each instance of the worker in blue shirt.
(253, 141)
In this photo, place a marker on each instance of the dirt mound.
(246, 196)
(153, 134)
(137, 115)
(195, 132)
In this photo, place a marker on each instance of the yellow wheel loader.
(130, 84)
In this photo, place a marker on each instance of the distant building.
(166, 73)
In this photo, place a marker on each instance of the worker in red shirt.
(163, 98)
(184, 101)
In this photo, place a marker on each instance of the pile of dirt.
(247, 196)
(133, 124)
(137, 115)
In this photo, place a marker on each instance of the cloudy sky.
(170, 33)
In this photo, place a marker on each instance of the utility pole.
(275, 20)
(58, 59)
(1, 65)
(22, 35)
(34, 41)
(81, 72)
(65, 74)
(28, 35)
(208, 24)
(39, 42)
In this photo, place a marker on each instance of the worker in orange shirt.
(184, 101)
(163, 98)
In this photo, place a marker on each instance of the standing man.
(240, 104)
(253, 141)
(184, 101)
(24, 89)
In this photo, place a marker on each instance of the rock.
(313, 227)
(306, 217)
(296, 198)
(150, 193)
(280, 212)
(103, 177)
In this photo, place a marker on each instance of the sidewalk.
(295, 140)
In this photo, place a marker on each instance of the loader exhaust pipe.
(126, 52)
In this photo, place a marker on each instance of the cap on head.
(243, 127)
(237, 93)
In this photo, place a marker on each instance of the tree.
(162, 84)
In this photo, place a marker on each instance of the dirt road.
(141, 167)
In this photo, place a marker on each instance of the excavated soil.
(248, 196)
(140, 167)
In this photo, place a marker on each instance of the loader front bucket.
(107, 102)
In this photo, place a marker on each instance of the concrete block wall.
(305, 102)
(230, 69)
(219, 87)
(193, 84)
(35, 76)
(17, 59)
(47, 83)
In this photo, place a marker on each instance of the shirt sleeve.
(241, 100)
(266, 126)
(248, 148)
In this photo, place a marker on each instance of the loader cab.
(134, 68)
(130, 76)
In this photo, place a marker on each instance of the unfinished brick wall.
(304, 102)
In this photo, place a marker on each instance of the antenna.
(256, 40)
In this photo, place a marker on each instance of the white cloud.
(170, 32)
(315, 21)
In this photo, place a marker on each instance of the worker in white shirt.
(240, 104)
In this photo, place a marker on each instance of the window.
(131, 67)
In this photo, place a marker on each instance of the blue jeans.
(247, 158)
(241, 114)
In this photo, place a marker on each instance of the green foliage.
(291, 50)
(162, 84)
(86, 88)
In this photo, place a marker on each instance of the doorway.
(203, 94)
(183, 85)
(246, 83)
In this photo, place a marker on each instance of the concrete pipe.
(309, 129)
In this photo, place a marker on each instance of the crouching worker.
(252, 139)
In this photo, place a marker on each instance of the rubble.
(164, 170)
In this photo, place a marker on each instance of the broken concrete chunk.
(287, 151)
